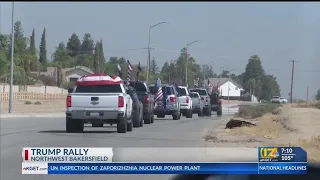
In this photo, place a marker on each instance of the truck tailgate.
(94, 101)
(195, 102)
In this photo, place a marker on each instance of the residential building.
(69, 75)
(235, 89)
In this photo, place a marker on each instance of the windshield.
(99, 89)
(276, 97)
(194, 95)
(138, 86)
(169, 91)
(182, 91)
(200, 91)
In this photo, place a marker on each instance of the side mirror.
(70, 90)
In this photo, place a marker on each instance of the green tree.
(225, 74)
(252, 77)
(43, 50)
(165, 72)
(95, 66)
(33, 53)
(99, 60)
(21, 55)
(87, 46)
(4, 59)
(4, 64)
(270, 87)
(73, 45)
(102, 60)
(85, 56)
(61, 57)
(154, 66)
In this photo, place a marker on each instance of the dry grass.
(288, 125)
(312, 147)
(267, 127)
(34, 106)
(308, 105)
(255, 111)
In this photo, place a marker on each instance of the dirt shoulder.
(286, 126)
(34, 106)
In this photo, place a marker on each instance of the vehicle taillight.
(146, 100)
(120, 101)
(219, 101)
(187, 100)
(172, 99)
(68, 102)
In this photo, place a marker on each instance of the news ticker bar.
(164, 168)
(101, 155)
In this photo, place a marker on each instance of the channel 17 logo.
(267, 154)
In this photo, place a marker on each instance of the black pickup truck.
(216, 104)
(146, 98)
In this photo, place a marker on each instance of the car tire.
(122, 124)
(136, 120)
(219, 111)
(189, 114)
(141, 122)
(152, 119)
(201, 113)
(148, 120)
(130, 124)
(74, 125)
(141, 119)
(176, 116)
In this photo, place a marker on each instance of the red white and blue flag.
(130, 69)
(158, 90)
(210, 88)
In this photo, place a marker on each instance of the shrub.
(27, 102)
(37, 103)
(255, 111)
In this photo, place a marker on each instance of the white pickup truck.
(185, 101)
(98, 100)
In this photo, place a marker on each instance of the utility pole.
(292, 73)
(187, 60)
(12, 53)
(149, 48)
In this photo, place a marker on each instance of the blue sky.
(230, 32)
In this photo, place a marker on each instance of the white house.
(234, 88)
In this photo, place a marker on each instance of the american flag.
(119, 73)
(218, 85)
(130, 69)
(158, 90)
(209, 87)
(196, 81)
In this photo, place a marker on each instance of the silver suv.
(173, 104)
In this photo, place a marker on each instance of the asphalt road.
(17, 133)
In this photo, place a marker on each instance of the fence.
(32, 92)
(32, 95)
